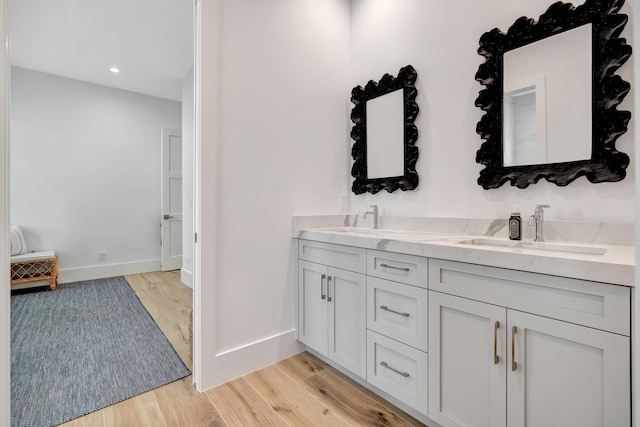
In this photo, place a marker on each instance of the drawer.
(398, 311)
(408, 269)
(593, 304)
(339, 256)
(397, 369)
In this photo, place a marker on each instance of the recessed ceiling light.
(114, 70)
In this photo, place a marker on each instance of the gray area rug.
(83, 347)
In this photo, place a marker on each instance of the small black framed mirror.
(558, 121)
(384, 133)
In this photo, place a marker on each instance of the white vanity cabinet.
(332, 302)
(397, 356)
(366, 310)
(510, 348)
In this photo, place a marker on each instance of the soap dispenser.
(515, 224)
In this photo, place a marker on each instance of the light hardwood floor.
(299, 391)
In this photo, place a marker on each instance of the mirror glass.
(385, 135)
(547, 100)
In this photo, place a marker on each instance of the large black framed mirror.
(551, 97)
(384, 133)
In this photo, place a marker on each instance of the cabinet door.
(467, 362)
(566, 374)
(312, 305)
(346, 296)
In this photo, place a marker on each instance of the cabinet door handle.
(395, 268)
(384, 307)
(391, 368)
(514, 365)
(322, 279)
(329, 288)
(496, 358)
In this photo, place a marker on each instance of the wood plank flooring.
(299, 391)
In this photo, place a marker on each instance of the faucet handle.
(542, 206)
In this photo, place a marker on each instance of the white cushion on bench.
(33, 256)
(17, 240)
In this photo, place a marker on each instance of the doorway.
(100, 159)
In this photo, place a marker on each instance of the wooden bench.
(35, 267)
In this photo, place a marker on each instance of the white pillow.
(18, 243)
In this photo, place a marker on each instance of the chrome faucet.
(537, 219)
(374, 212)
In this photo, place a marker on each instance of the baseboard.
(77, 274)
(240, 361)
(186, 277)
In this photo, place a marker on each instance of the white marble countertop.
(449, 239)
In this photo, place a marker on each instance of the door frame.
(5, 291)
(197, 282)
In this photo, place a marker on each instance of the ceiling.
(150, 41)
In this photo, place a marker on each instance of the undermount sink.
(538, 246)
(385, 233)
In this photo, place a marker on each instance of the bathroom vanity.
(466, 329)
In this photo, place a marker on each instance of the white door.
(566, 375)
(467, 362)
(171, 199)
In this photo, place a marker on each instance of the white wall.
(440, 41)
(273, 145)
(187, 178)
(85, 172)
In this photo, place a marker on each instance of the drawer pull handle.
(386, 365)
(329, 288)
(322, 279)
(496, 358)
(514, 365)
(384, 307)
(395, 268)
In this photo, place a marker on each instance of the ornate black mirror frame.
(359, 96)
(609, 53)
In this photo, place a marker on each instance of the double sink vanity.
(448, 318)
(458, 325)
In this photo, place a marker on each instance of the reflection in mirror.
(547, 100)
(522, 140)
(385, 136)
(551, 86)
